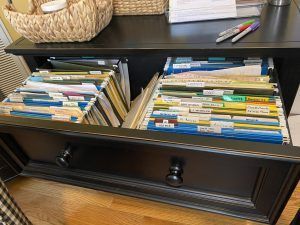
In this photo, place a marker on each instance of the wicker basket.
(139, 7)
(80, 21)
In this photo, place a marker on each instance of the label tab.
(228, 92)
(258, 110)
(101, 62)
(44, 71)
(178, 108)
(165, 125)
(207, 99)
(16, 98)
(5, 109)
(55, 78)
(70, 104)
(200, 110)
(172, 100)
(199, 104)
(234, 98)
(167, 113)
(195, 64)
(222, 124)
(191, 119)
(95, 72)
(212, 104)
(218, 92)
(215, 130)
(76, 98)
(257, 99)
(213, 92)
(182, 66)
(195, 84)
(55, 94)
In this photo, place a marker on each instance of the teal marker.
(236, 27)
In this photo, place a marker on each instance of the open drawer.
(240, 178)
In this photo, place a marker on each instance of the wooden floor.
(46, 202)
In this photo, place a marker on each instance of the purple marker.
(253, 27)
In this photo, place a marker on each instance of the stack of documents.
(195, 10)
(73, 90)
(198, 10)
(87, 64)
(232, 98)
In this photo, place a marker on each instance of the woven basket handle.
(9, 2)
(31, 6)
(11, 5)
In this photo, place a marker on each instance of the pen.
(253, 27)
(232, 33)
(237, 26)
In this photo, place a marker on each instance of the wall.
(22, 6)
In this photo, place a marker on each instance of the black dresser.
(239, 178)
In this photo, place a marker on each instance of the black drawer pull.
(63, 160)
(174, 178)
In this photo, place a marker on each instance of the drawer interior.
(139, 76)
(143, 64)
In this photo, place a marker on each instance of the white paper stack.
(197, 10)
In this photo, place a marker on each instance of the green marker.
(236, 27)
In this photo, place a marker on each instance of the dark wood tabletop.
(279, 34)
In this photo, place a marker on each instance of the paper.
(196, 10)
(75, 90)
(233, 103)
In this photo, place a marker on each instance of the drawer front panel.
(201, 171)
(238, 185)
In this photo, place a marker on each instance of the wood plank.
(51, 203)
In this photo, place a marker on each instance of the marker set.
(238, 31)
